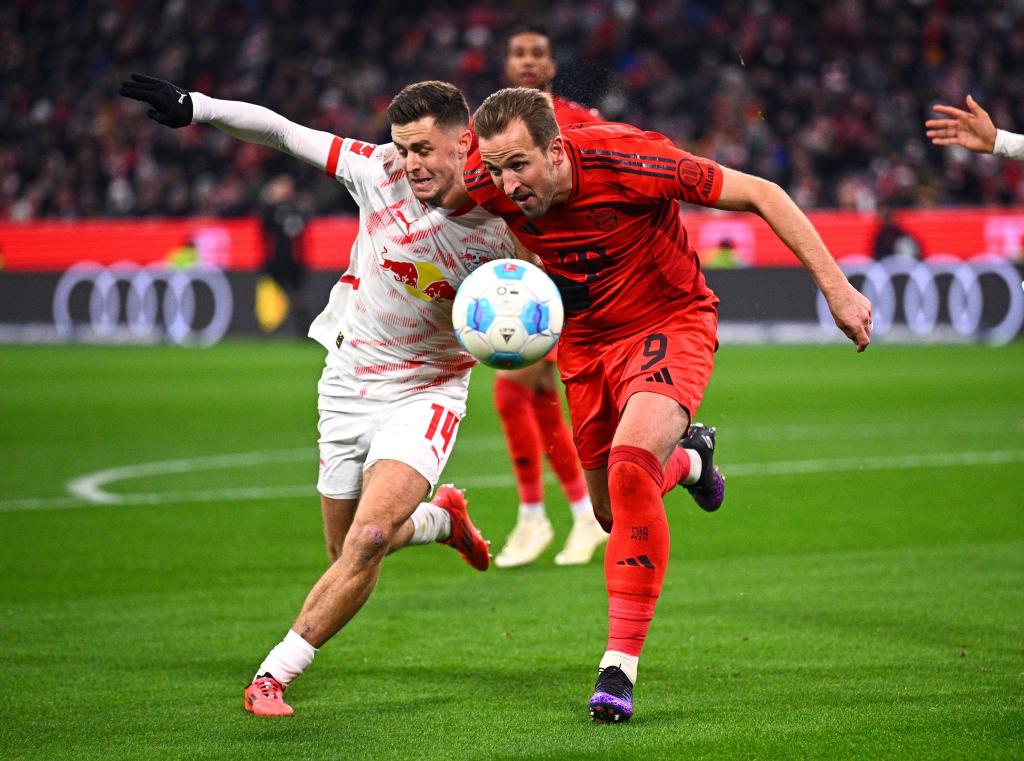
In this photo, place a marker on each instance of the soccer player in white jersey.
(394, 386)
(973, 129)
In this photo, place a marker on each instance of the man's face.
(524, 171)
(433, 158)
(528, 61)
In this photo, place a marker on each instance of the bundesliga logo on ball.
(508, 314)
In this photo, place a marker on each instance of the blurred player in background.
(530, 62)
(394, 386)
(973, 129)
(527, 400)
(598, 205)
(284, 221)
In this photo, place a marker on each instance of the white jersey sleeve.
(1009, 144)
(256, 124)
(388, 324)
(347, 160)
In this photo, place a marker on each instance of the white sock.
(695, 468)
(532, 510)
(628, 663)
(288, 659)
(430, 523)
(582, 508)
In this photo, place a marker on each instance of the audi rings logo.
(127, 301)
(982, 297)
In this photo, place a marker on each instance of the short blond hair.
(533, 107)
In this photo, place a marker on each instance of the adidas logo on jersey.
(662, 376)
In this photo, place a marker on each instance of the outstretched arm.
(850, 309)
(174, 107)
(973, 129)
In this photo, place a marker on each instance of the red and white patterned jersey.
(394, 304)
(406, 265)
(617, 248)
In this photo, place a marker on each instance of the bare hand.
(852, 312)
(973, 130)
(522, 252)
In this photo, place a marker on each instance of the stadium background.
(822, 99)
(861, 594)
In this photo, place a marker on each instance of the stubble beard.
(543, 203)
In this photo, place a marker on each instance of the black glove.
(170, 104)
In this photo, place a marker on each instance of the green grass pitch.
(860, 594)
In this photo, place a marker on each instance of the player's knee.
(633, 475)
(369, 542)
(623, 480)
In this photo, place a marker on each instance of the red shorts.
(673, 358)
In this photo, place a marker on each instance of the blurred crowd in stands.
(828, 99)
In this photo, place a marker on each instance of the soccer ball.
(507, 314)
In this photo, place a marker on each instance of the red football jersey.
(617, 248)
(570, 112)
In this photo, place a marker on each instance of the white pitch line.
(89, 488)
(91, 485)
(41, 503)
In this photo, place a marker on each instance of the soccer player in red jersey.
(529, 62)
(597, 204)
(527, 399)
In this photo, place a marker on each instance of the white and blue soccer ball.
(508, 313)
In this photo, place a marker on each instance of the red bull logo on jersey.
(424, 280)
(404, 272)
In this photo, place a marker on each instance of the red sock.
(514, 403)
(676, 469)
(638, 548)
(629, 619)
(558, 444)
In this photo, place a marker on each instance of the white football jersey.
(393, 307)
(388, 326)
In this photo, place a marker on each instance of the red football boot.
(265, 697)
(465, 537)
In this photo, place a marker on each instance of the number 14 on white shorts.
(419, 432)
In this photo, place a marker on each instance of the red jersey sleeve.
(570, 112)
(646, 165)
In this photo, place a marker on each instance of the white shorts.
(357, 432)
